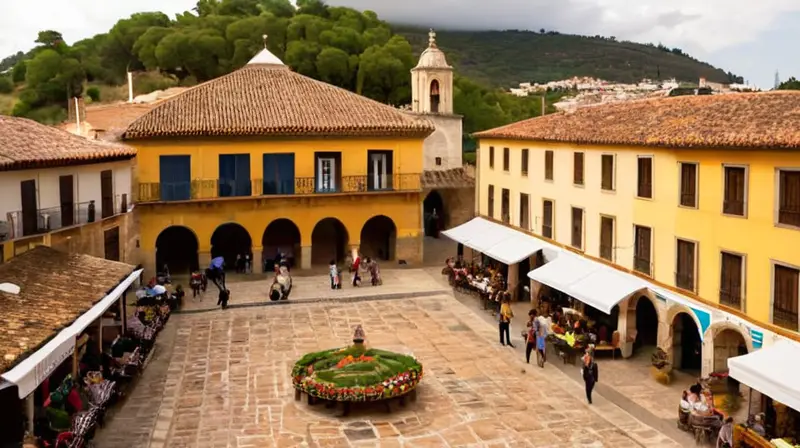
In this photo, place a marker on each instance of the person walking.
(589, 373)
(505, 316)
(542, 328)
(530, 344)
(725, 438)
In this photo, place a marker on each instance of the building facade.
(264, 160)
(698, 198)
(64, 191)
(449, 188)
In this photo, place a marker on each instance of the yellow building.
(264, 160)
(679, 216)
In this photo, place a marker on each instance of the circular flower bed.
(356, 374)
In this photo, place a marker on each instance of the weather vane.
(264, 36)
(432, 38)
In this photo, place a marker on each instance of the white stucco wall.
(445, 142)
(86, 187)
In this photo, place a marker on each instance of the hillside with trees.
(507, 58)
(351, 49)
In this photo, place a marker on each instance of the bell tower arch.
(432, 81)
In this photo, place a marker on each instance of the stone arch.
(435, 96)
(281, 235)
(177, 247)
(724, 340)
(433, 201)
(379, 238)
(228, 241)
(685, 338)
(642, 320)
(329, 241)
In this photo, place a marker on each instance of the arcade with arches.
(177, 247)
(379, 238)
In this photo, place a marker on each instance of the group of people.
(370, 265)
(696, 405)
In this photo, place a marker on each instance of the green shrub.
(6, 84)
(145, 83)
(93, 93)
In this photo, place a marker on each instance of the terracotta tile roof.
(746, 120)
(271, 100)
(452, 178)
(25, 144)
(55, 289)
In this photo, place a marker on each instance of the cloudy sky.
(750, 38)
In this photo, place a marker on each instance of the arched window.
(434, 96)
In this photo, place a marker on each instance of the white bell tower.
(432, 82)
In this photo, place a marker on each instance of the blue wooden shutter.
(278, 174)
(175, 176)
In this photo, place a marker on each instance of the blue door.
(175, 176)
(278, 173)
(234, 175)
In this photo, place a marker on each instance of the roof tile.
(26, 144)
(270, 100)
(745, 120)
(55, 289)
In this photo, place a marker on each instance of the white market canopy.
(772, 371)
(593, 283)
(33, 370)
(502, 243)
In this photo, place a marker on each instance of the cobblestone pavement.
(228, 384)
(396, 282)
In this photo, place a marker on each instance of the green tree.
(49, 38)
(6, 84)
(19, 71)
(247, 37)
(145, 46)
(301, 55)
(335, 66)
(202, 53)
(280, 8)
(383, 72)
(306, 27)
(313, 7)
(118, 52)
(344, 38)
(790, 84)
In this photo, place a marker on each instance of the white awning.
(502, 243)
(100, 307)
(772, 371)
(592, 283)
(30, 373)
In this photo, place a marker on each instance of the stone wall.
(458, 206)
(409, 249)
(445, 142)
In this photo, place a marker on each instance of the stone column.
(256, 263)
(536, 289)
(513, 278)
(305, 257)
(204, 259)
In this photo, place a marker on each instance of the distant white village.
(591, 91)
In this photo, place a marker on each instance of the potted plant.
(661, 368)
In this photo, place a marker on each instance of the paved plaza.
(222, 379)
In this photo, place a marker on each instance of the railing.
(735, 208)
(731, 297)
(684, 281)
(790, 217)
(47, 220)
(642, 265)
(299, 186)
(785, 318)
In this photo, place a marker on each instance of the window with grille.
(524, 162)
(505, 205)
(686, 259)
(547, 219)
(524, 211)
(644, 178)
(607, 238)
(734, 195)
(642, 249)
(491, 201)
(689, 184)
(607, 172)
(506, 159)
(789, 198)
(548, 165)
(577, 228)
(731, 280)
(785, 297)
(491, 157)
(577, 168)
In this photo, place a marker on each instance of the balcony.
(54, 218)
(201, 189)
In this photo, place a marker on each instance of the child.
(334, 272)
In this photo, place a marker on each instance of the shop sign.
(757, 337)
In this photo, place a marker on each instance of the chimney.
(76, 113)
(702, 82)
(130, 87)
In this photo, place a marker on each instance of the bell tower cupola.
(432, 81)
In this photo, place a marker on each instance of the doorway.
(687, 349)
(30, 216)
(646, 319)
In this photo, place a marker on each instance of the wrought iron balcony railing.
(299, 186)
(19, 224)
